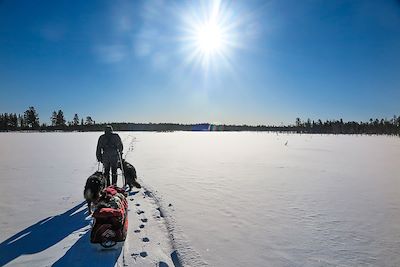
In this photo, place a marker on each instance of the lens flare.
(211, 33)
(209, 38)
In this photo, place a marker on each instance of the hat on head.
(108, 129)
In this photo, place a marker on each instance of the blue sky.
(136, 60)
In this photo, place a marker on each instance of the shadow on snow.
(83, 254)
(48, 232)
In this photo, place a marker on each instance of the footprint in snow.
(142, 254)
(137, 204)
(137, 231)
(144, 220)
(141, 226)
(145, 239)
(161, 213)
(140, 212)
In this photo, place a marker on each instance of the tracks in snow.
(153, 236)
(147, 242)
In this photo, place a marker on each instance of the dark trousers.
(113, 166)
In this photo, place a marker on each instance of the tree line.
(373, 126)
(29, 120)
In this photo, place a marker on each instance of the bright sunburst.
(210, 35)
(209, 38)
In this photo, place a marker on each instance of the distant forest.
(30, 121)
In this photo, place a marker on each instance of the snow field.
(247, 199)
(216, 198)
(44, 217)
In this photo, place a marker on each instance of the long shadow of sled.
(83, 254)
(43, 234)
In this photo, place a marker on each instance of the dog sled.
(110, 219)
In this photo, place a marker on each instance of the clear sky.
(254, 62)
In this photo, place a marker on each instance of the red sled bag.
(110, 218)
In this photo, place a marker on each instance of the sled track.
(183, 254)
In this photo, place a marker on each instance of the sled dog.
(94, 185)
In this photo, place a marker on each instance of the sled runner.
(110, 225)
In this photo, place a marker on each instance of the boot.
(107, 179)
(114, 179)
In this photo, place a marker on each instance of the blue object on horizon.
(201, 127)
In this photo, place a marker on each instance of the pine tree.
(6, 121)
(60, 118)
(54, 118)
(298, 122)
(2, 122)
(75, 120)
(31, 118)
(89, 120)
(13, 121)
(21, 121)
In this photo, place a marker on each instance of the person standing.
(109, 150)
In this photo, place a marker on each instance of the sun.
(210, 34)
(209, 38)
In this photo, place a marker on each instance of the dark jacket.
(107, 147)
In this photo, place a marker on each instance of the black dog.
(94, 185)
(130, 175)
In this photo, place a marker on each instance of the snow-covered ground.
(222, 199)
